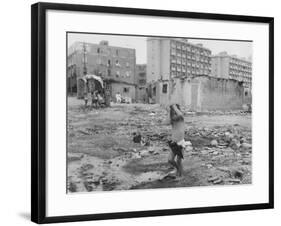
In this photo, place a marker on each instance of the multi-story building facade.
(141, 75)
(231, 67)
(141, 82)
(176, 58)
(115, 65)
(171, 64)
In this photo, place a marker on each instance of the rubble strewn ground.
(125, 147)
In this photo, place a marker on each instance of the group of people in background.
(94, 98)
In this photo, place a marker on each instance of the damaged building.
(180, 72)
(141, 91)
(201, 93)
(115, 65)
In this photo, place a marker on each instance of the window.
(127, 74)
(117, 74)
(117, 52)
(142, 81)
(98, 50)
(127, 64)
(165, 88)
(126, 89)
(108, 62)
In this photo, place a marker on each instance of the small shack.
(89, 83)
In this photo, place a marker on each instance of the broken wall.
(125, 90)
(202, 93)
(220, 94)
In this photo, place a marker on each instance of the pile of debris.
(221, 137)
(146, 138)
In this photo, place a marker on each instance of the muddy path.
(92, 173)
(103, 155)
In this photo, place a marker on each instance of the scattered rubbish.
(170, 175)
(232, 180)
(87, 167)
(84, 132)
(74, 157)
(212, 179)
(209, 166)
(137, 137)
(214, 143)
(114, 158)
(246, 145)
(235, 144)
(218, 181)
(237, 173)
(72, 187)
(223, 169)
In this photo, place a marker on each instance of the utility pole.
(84, 59)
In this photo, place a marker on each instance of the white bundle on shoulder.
(187, 145)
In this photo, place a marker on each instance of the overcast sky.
(241, 49)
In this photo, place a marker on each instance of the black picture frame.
(38, 111)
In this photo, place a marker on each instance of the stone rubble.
(223, 152)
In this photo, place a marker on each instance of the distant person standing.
(100, 99)
(94, 99)
(118, 98)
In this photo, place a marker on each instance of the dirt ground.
(103, 154)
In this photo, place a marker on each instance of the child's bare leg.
(172, 161)
(179, 166)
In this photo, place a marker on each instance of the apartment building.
(141, 83)
(231, 67)
(171, 64)
(176, 58)
(115, 65)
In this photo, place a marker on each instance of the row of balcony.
(240, 62)
(178, 61)
(188, 55)
(183, 60)
(192, 49)
(199, 71)
(192, 65)
(239, 67)
(232, 73)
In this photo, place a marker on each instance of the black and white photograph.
(132, 113)
(157, 112)
(141, 112)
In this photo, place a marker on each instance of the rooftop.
(225, 54)
(183, 40)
